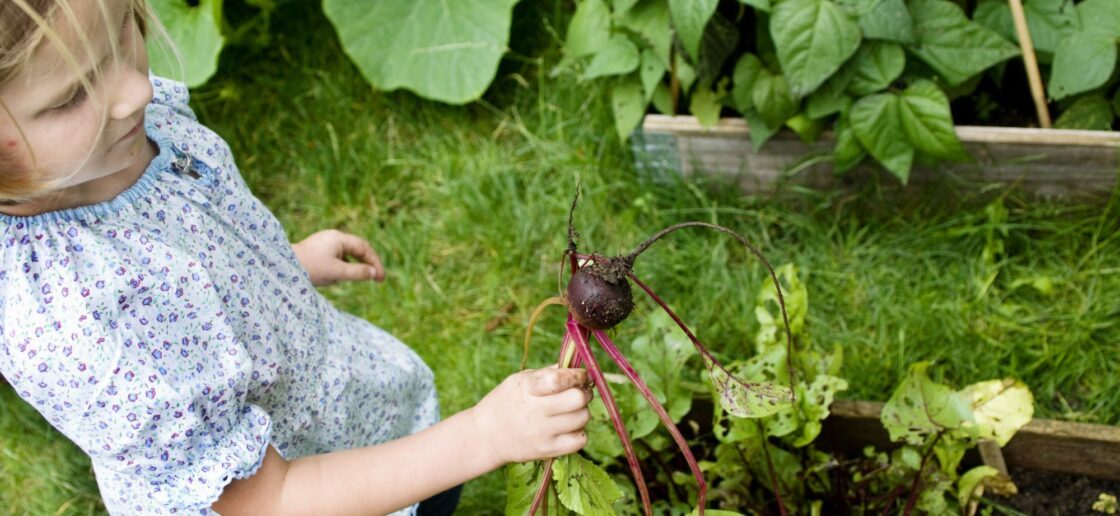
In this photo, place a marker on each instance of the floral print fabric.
(172, 334)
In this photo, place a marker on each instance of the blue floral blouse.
(172, 334)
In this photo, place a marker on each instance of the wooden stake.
(1030, 62)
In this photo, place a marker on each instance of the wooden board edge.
(689, 125)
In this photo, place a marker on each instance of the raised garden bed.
(1060, 467)
(1045, 162)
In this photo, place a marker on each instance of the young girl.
(154, 312)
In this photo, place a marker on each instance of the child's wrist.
(483, 433)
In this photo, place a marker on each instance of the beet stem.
(630, 258)
(710, 359)
(604, 389)
(679, 439)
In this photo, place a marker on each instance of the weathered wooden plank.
(1045, 162)
(1043, 444)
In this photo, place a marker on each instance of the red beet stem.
(630, 373)
(629, 258)
(580, 337)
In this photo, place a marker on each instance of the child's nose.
(132, 94)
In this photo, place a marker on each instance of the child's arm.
(531, 415)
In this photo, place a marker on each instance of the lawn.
(468, 208)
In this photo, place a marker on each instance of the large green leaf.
(649, 19)
(747, 71)
(848, 152)
(886, 19)
(1100, 16)
(705, 104)
(1049, 21)
(928, 122)
(195, 31)
(652, 71)
(445, 51)
(584, 487)
(1000, 408)
(689, 19)
(1090, 112)
(773, 99)
(1084, 61)
(813, 38)
(877, 122)
(920, 407)
(875, 66)
(629, 105)
(832, 96)
(956, 47)
(1116, 103)
(589, 29)
(620, 56)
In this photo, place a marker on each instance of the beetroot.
(599, 294)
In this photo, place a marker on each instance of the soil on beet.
(1045, 494)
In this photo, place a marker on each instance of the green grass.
(468, 207)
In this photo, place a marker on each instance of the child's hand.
(324, 255)
(535, 414)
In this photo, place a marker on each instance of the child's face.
(78, 135)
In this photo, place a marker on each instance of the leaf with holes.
(1000, 407)
(920, 407)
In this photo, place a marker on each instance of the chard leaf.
(956, 47)
(689, 19)
(887, 20)
(875, 66)
(445, 51)
(628, 104)
(196, 32)
(747, 70)
(920, 407)
(773, 99)
(877, 122)
(1083, 61)
(928, 122)
(620, 56)
(813, 39)
(584, 487)
(590, 28)
(1000, 408)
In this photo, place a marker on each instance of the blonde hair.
(24, 28)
